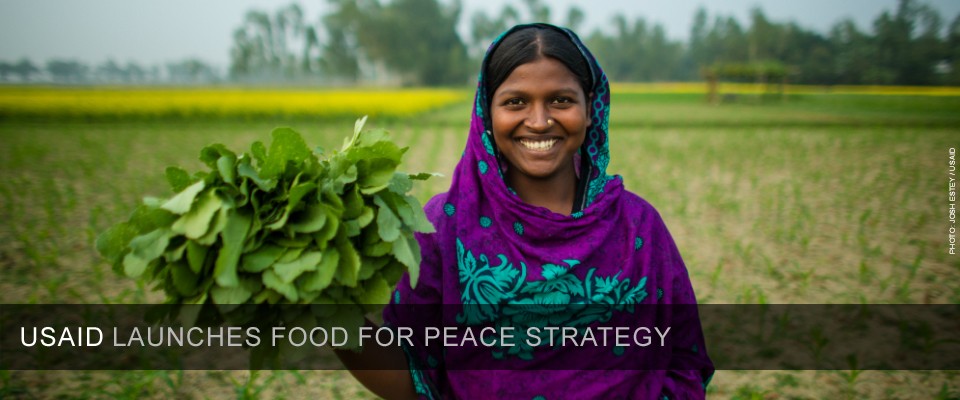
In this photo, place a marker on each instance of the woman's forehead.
(544, 73)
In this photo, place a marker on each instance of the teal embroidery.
(638, 243)
(518, 228)
(499, 293)
(482, 165)
(539, 398)
(618, 351)
(396, 297)
(485, 222)
(597, 145)
(432, 362)
(659, 293)
(479, 108)
(449, 209)
(419, 380)
(577, 215)
(695, 349)
(487, 144)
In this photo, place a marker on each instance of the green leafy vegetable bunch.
(279, 225)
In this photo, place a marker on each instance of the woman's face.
(540, 119)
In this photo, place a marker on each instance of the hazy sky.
(157, 31)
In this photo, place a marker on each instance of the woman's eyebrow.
(518, 92)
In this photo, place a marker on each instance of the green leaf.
(321, 278)
(259, 152)
(175, 252)
(407, 251)
(217, 224)
(134, 266)
(196, 222)
(417, 219)
(227, 166)
(349, 176)
(375, 291)
(233, 235)
(233, 295)
(211, 154)
(196, 256)
(311, 219)
(357, 128)
(148, 218)
(400, 183)
(370, 265)
(296, 194)
(366, 217)
(112, 243)
(349, 265)
(352, 203)
(333, 200)
(245, 170)
(287, 146)
(372, 137)
(150, 246)
(375, 174)
(291, 254)
(298, 241)
(180, 203)
(288, 272)
(377, 249)
(392, 271)
(178, 178)
(425, 175)
(262, 258)
(184, 279)
(329, 230)
(388, 224)
(273, 281)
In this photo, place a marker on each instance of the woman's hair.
(530, 44)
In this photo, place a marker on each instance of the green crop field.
(814, 199)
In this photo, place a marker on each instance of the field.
(815, 198)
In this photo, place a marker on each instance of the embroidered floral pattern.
(500, 293)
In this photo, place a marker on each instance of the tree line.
(415, 42)
(189, 71)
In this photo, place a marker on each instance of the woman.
(533, 220)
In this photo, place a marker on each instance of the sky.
(160, 31)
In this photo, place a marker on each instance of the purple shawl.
(492, 253)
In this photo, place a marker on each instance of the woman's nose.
(539, 119)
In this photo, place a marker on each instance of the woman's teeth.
(538, 144)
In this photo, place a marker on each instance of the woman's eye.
(516, 101)
(562, 100)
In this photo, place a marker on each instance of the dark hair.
(530, 44)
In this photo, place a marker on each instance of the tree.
(416, 39)
(953, 51)
(264, 45)
(110, 71)
(539, 12)
(853, 52)
(575, 18)
(484, 29)
(67, 71)
(24, 69)
(191, 71)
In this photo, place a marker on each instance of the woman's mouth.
(538, 144)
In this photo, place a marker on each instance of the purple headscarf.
(493, 253)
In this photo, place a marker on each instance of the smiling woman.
(533, 235)
(540, 121)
